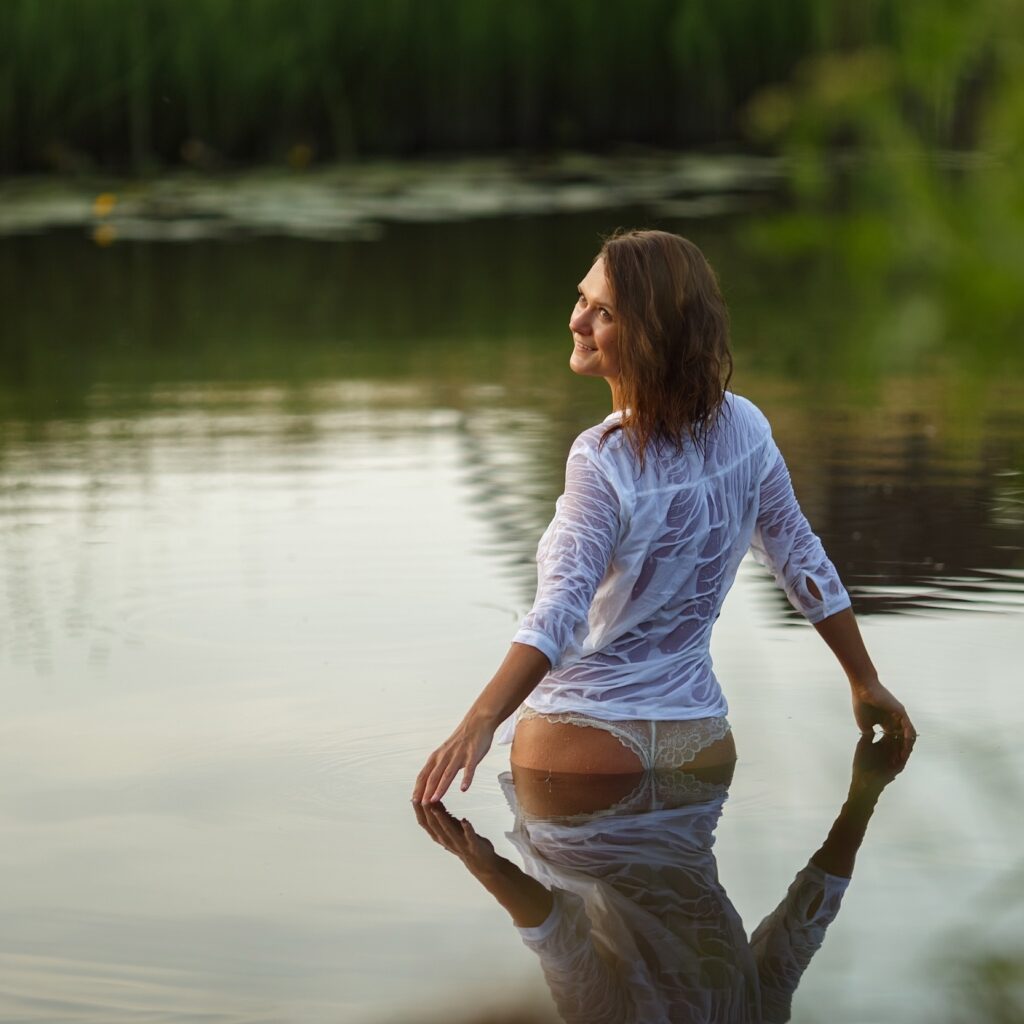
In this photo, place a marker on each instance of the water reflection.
(910, 526)
(228, 471)
(619, 895)
(912, 476)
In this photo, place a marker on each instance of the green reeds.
(141, 83)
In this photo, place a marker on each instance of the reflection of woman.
(662, 500)
(624, 908)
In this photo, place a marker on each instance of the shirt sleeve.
(572, 559)
(784, 542)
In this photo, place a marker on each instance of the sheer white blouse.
(634, 567)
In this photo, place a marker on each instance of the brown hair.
(673, 339)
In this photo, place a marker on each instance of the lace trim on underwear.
(658, 745)
(680, 742)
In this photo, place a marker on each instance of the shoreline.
(353, 201)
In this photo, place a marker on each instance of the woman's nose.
(578, 322)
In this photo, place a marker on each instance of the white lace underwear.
(659, 745)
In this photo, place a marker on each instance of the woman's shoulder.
(741, 426)
(605, 447)
(600, 439)
(741, 417)
(741, 406)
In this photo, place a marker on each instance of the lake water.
(268, 510)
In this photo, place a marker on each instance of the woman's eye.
(580, 301)
(605, 315)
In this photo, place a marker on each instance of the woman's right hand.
(523, 668)
(463, 750)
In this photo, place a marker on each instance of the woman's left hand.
(463, 750)
(874, 705)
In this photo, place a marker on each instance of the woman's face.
(595, 350)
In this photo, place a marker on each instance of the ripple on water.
(347, 772)
(298, 616)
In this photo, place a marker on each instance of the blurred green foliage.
(139, 83)
(905, 175)
(902, 125)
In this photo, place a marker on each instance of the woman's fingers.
(437, 774)
(422, 780)
(899, 723)
(431, 781)
(445, 780)
(463, 751)
(908, 727)
(427, 780)
(877, 706)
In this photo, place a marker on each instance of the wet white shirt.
(634, 567)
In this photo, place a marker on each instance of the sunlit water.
(267, 514)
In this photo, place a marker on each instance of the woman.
(662, 500)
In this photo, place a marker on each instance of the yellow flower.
(103, 204)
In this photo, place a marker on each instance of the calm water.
(267, 514)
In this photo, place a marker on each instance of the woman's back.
(648, 556)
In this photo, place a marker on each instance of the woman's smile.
(594, 330)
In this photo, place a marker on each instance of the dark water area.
(268, 509)
(913, 473)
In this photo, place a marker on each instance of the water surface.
(268, 510)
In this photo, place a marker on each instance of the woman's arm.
(523, 668)
(577, 549)
(873, 704)
(785, 542)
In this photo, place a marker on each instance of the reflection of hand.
(523, 897)
(874, 705)
(876, 764)
(457, 837)
(464, 750)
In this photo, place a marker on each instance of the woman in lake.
(610, 672)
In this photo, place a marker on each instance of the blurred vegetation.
(905, 175)
(143, 83)
(901, 121)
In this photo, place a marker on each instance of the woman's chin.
(578, 364)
